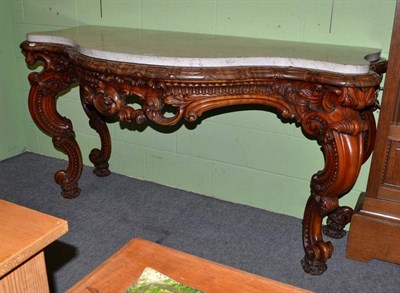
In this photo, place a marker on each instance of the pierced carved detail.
(294, 100)
(333, 108)
(109, 102)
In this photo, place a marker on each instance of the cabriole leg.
(56, 77)
(99, 157)
(344, 155)
(337, 221)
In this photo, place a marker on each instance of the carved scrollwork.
(319, 108)
(351, 127)
(109, 102)
(57, 75)
(316, 250)
(357, 98)
(336, 222)
(326, 204)
(315, 125)
(334, 108)
(326, 112)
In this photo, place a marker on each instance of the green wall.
(248, 157)
(11, 126)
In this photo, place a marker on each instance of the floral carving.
(334, 108)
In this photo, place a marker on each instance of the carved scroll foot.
(312, 266)
(101, 166)
(336, 222)
(317, 252)
(70, 190)
(68, 179)
(99, 157)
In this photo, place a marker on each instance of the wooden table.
(24, 233)
(330, 91)
(122, 269)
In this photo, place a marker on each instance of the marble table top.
(200, 50)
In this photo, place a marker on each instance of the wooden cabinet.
(375, 228)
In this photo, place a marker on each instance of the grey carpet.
(114, 209)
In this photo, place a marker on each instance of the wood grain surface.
(122, 269)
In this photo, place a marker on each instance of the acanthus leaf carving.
(329, 106)
(358, 98)
(309, 103)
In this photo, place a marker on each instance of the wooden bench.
(24, 233)
(122, 269)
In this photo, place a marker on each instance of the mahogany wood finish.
(334, 108)
(58, 75)
(375, 228)
(120, 271)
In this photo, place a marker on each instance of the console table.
(330, 91)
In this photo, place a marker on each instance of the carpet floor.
(114, 209)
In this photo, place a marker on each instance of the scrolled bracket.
(336, 222)
(57, 76)
(345, 129)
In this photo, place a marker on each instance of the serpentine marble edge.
(200, 50)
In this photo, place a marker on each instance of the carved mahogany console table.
(329, 91)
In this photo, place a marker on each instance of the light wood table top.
(24, 233)
(122, 269)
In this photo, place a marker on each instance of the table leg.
(99, 157)
(29, 277)
(56, 77)
(344, 154)
(338, 219)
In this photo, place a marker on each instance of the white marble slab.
(200, 50)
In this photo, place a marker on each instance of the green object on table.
(152, 281)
